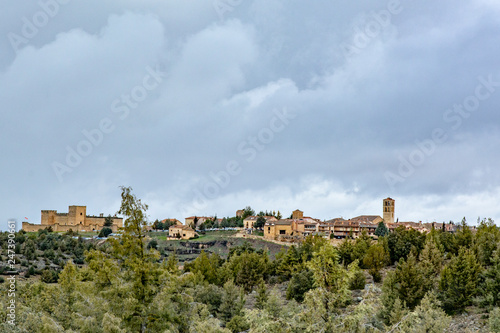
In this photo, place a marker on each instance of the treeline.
(45, 253)
(312, 287)
(225, 222)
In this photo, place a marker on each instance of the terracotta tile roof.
(254, 218)
(337, 219)
(365, 218)
(280, 222)
(347, 223)
(175, 220)
(183, 227)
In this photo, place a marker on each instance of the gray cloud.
(219, 83)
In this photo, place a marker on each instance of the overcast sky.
(205, 107)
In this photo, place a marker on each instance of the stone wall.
(75, 219)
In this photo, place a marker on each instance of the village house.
(174, 221)
(448, 227)
(373, 219)
(306, 227)
(293, 229)
(278, 229)
(181, 231)
(196, 221)
(347, 228)
(325, 228)
(250, 220)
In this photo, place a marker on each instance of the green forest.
(404, 281)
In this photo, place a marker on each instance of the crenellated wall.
(76, 219)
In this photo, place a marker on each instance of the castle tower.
(388, 208)
(76, 215)
(49, 217)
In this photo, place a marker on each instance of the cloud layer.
(207, 108)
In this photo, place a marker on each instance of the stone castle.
(75, 219)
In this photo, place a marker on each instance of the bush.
(238, 324)
(79, 261)
(105, 232)
(50, 276)
(70, 232)
(494, 321)
(358, 281)
(377, 276)
(300, 283)
(2, 279)
(153, 244)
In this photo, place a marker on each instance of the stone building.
(181, 231)
(278, 229)
(250, 221)
(75, 219)
(388, 214)
(195, 221)
(297, 214)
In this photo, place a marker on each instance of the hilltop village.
(271, 226)
(242, 274)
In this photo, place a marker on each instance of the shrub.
(238, 324)
(79, 261)
(105, 232)
(377, 276)
(494, 321)
(358, 280)
(49, 276)
(300, 283)
(153, 244)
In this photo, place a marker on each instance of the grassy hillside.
(219, 242)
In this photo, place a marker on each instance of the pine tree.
(262, 296)
(431, 261)
(233, 301)
(486, 241)
(381, 230)
(411, 283)
(489, 289)
(459, 281)
(464, 235)
(300, 283)
(346, 252)
(172, 264)
(375, 260)
(129, 267)
(427, 317)
(330, 276)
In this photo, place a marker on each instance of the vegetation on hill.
(125, 284)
